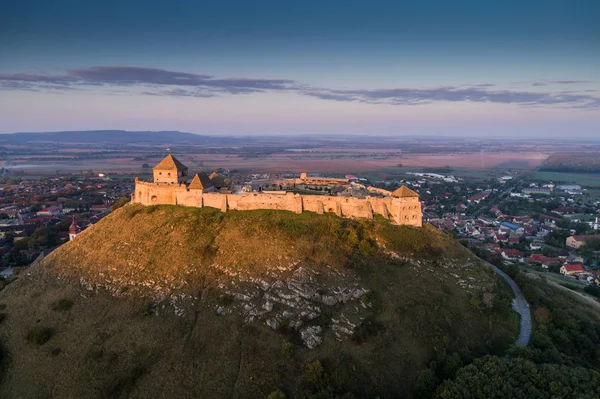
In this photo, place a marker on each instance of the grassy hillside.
(181, 302)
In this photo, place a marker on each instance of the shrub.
(2, 317)
(225, 300)
(369, 327)
(149, 209)
(63, 305)
(120, 203)
(372, 299)
(276, 395)
(313, 374)
(287, 350)
(593, 290)
(39, 335)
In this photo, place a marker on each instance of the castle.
(170, 186)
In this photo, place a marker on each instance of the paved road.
(519, 305)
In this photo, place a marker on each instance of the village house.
(578, 241)
(512, 254)
(569, 269)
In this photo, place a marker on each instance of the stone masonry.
(402, 207)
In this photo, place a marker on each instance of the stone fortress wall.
(401, 211)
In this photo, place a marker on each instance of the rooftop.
(200, 181)
(403, 192)
(170, 163)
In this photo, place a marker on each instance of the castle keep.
(170, 187)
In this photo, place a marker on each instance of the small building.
(570, 268)
(536, 190)
(170, 171)
(74, 230)
(579, 241)
(511, 226)
(511, 254)
(53, 210)
(568, 187)
(535, 245)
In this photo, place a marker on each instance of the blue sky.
(513, 68)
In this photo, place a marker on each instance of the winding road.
(519, 305)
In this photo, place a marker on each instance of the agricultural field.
(581, 161)
(334, 162)
(590, 180)
(75, 152)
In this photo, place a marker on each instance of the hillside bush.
(287, 350)
(276, 395)
(39, 335)
(120, 203)
(62, 305)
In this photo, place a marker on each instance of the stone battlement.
(401, 211)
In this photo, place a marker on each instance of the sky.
(526, 68)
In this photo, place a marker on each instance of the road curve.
(519, 305)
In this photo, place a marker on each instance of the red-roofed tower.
(74, 230)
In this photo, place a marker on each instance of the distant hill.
(179, 302)
(110, 137)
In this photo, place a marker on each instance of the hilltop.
(170, 301)
(111, 137)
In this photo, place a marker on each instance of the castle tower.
(201, 181)
(170, 171)
(74, 230)
(406, 207)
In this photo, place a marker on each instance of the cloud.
(147, 77)
(405, 96)
(160, 82)
(569, 82)
(560, 82)
(181, 93)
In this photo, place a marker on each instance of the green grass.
(583, 179)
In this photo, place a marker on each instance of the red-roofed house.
(500, 237)
(50, 211)
(476, 198)
(571, 268)
(511, 254)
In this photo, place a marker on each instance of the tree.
(592, 244)
(120, 203)
(493, 377)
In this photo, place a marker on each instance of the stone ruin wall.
(402, 211)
